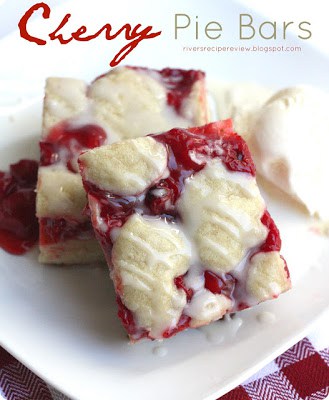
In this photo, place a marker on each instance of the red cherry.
(25, 171)
(179, 282)
(178, 84)
(18, 222)
(273, 240)
(219, 284)
(183, 323)
(65, 143)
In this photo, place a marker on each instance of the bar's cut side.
(183, 226)
(125, 103)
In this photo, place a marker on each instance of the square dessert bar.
(184, 228)
(127, 102)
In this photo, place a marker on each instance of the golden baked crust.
(267, 276)
(225, 222)
(72, 251)
(125, 103)
(193, 240)
(126, 167)
(147, 256)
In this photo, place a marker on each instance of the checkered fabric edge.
(301, 373)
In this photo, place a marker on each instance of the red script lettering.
(133, 35)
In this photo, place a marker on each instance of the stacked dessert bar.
(132, 163)
(127, 102)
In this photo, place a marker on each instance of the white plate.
(61, 322)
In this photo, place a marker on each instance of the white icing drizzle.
(126, 167)
(154, 255)
(160, 351)
(206, 307)
(201, 197)
(110, 102)
(266, 317)
(159, 192)
(222, 331)
(114, 101)
(114, 234)
(227, 208)
(234, 324)
(100, 223)
(214, 200)
(160, 253)
(195, 278)
(213, 335)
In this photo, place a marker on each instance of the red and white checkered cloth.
(301, 373)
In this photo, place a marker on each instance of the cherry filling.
(54, 230)
(187, 149)
(188, 152)
(18, 223)
(182, 324)
(65, 143)
(178, 83)
(273, 240)
(128, 321)
(179, 282)
(219, 285)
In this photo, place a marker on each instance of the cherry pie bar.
(183, 227)
(127, 102)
